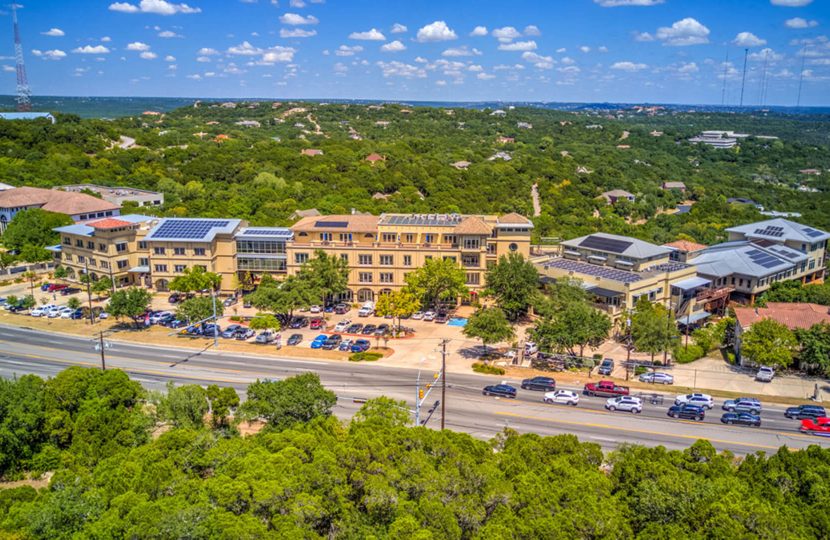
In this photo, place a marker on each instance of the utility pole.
(101, 345)
(89, 292)
(443, 380)
(215, 322)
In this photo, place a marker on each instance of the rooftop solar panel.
(267, 232)
(812, 233)
(775, 232)
(334, 224)
(424, 219)
(593, 270)
(186, 229)
(605, 244)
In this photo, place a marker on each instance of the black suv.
(298, 322)
(805, 411)
(606, 367)
(689, 412)
(545, 384)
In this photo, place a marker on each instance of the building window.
(491, 249)
(450, 239)
(102, 247)
(389, 237)
(473, 278)
(79, 243)
(81, 259)
(179, 268)
(513, 246)
(364, 260)
(143, 261)
(429, 238)
(67, 257)
(67, 241)
(142, 245)
(409, 238)
(450, 258)
(260, 246)
(122, 264)
(472, 243)
(160, 268)
(120, 247)
(386, 260)
(90, 245)
(365, 277)
(91, 261)
(178, 251)
(300, 258)
(199, 252)
(407, 260)
(344, 257)
(158, 251)
(105, 265)
(325, 237)
(345, 237)
(386, 277)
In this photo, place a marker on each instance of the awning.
(54, 249)
(691, 283)
(139, 270)
(693, 318)
(597, 258)
(604, 293)
(572, 253)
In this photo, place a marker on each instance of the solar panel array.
(669, 267)
(764, 259)
(593, 270)
(812, 233)
(187, 229)
(775, 232)
(605, 244)
(266, 232)
(424, 219)
(332, 224)
(788, 253)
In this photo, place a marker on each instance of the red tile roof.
(686, 245)
(52, 200)
(374, 157)
(109, 223)
(792, 315)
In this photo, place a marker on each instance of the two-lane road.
(30, 351)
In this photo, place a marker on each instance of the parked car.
(354, 328)
(765, 374)
(175, 323)
(209, 330)
(701, 400)
(657, 377)
(266, 336)
(343, 325)
(342, 309)
(630, 404)
(332, 342)
(545, 384)
(41, 311)
(345, 345)
(531, 348)
(175, 298)
(369, 330)
(366, 311)
(565, 397)
(502, 390)
(805, 411)
(315, 309)
(77, 314)
(687, 411)
(230, 331)
(70, 290)
(741, 419)
(66, 313)
(158, 316)
(298, 322)
(418, 315)
(606, 367)
(44, 287)
(319, 341)
(295, 339)
(361, 345)
(429, 316)
(55, 287)
(442, 317)
(317, 324)
(605, 389)
(231, 300)
(245, 333)
(742, 404)
(382, 330)
(55, 312)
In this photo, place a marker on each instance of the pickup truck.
(605, 389)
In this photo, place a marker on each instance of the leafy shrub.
(639, 370)
(365, 357)
(479, 367)
(682, 355)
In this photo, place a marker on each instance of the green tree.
(381, 413)
(490, 325)
(652, 329)
(264, 322)
(574, 324)
(184, 406)
(283, 298)
(33, 254)
(815, 347)
(327, 275)
(132, 302)
(28, 302)
(199, 308)
(223, 401)
(195, 279)
(437, 280)
(60, 272)
(769, 343)
(73, 303)
(400, 303)
(513, 282)
(101, 287)
(300, 398)
(34, 227)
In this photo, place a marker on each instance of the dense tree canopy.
(513, 282)
(32, 228)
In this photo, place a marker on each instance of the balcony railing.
(398, 245)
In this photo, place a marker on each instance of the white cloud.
(766, 55)
(340, 68)
(106, 39)
(299, 4)
(393, 46)
(398, 28)
(602, 49)
(148, 55)
(538, 61)
(195, 77)
(296, 20)
(569, 70)
(485, 76)
(89, 49)
(506, 34)
(207, 51)
(244, 49)
(278, 54)
(684, 32)
(798, 22)
(532, 30)
(748, 39)
(643, 36)
(138, 46)
(628, 66)
(687, 68)
(475, 67)
(54, 32)
(791, 3)
(586, 49)
(518, 46)
(167, 34)
(345, 50)
(158, 7)
(436, 31)
(479, 31)
(421, 60)
(441, 83)
(371, 35)
(169, 58)
(53, 54)
(400, 69)
(567, 60)
(461, 51)
(297, 33)
(618, 3)
(203, 59)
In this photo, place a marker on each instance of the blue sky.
(557, 50)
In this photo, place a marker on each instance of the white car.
(765, 374)
(342, 325)
(702, 400)
(42, 311)
(157, 317)
(418, 315)
(429, 316)
(565, 397)
(67, 312)
(365, 311)
(55, 312)
(315, 309)
(531, 348)
(625, 403)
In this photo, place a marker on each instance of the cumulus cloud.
(138, 46)
(296, 20)
(684, 32)
(244, 49)
(278, 55)
(479, 31)
(89, 49)
(748, 39)
(461, 51)
(401, 69)
(106, 39)
(506, 34)
(798, 23)
(299, 4)
(518, 46)
(207, 51)
(148, 55)
(345, 50)
(791, 3)
(297, 33)
(767, 55)
(169, 58)
(628, 66)
(393, 46)
(167, 34)
(158, 7)
(485, 76)
(538, 61)
(643, 36)
(436, 31)
(586, 49)
(370, 35)
(618, 3)
(54, 32)
(53, 54)
(398, 28)
(532, 30)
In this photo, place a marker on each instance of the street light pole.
(101, 344)
(89, 293)
(215, 322)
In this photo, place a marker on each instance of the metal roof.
(191, 229)
(619, 245)
(693, 318)
(780, 230)
(264, 233)
(743, 258)
(692, 283)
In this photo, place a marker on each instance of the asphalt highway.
(25, 351)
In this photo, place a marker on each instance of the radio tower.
(24, 95)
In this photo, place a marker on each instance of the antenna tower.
(24, 94)
(743, 78)
(725, 75)
(801, 75)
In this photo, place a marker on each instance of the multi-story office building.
(262, 250)
(382, 250)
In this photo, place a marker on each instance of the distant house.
(119, 194)
(505, 140)
(228, 105)
(461, 165)
(719, 139)
(744, 200)
(26, 116)
(221, 138)
(248, 123)
(498, 112)
(524, 125)
(795, 316)
(656, 133)
(615, 195)
(623, 146)
(311, 152)
(583, 170)
(374, 158)
(504, 156)
(382, 123)
(680, 186)
(4, 187)
(151, 113)
(813, 172)
(594, 126)
(311, 212)
(380, 196)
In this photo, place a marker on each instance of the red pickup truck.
(605, 389)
